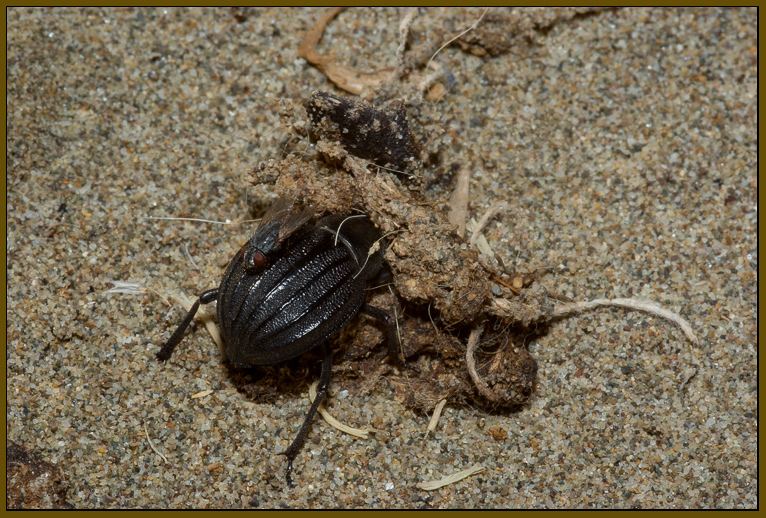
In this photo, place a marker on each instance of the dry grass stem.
(356, 432)
(637, 304)
(151, 444)
(435, 417)
(470, 360)
(451, 479)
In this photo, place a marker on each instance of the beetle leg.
(393, 344)
(167, 349)
(324, 381)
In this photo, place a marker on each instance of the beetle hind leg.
(324, 381)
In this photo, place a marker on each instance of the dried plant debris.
(32, 483)
(503, 31)
(451, 479)
(345, 77)
(417, 75)
(444, 289)
(378, 82)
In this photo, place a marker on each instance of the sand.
(624, 141)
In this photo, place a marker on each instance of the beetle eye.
(253, 258)
(257, 258)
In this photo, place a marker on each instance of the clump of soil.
(32, 483)
(514, 30)
(381, 136)
(443, 290)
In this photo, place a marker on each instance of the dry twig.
(346, 78)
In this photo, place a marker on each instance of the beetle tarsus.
(289, 479)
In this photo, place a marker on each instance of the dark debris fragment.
(382, 136)
(32, 483)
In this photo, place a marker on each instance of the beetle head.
(279, 222)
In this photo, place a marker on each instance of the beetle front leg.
(324, 382)
(167, 349)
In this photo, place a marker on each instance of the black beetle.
(289, 289)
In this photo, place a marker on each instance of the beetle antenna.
(337, 232)
(411, 175)
(396, 321)
(374, 248)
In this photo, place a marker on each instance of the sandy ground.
(625, 142)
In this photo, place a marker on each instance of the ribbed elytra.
(295, 300)
(289, 289)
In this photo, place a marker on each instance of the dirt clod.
(443, 288)
(382, 136)
(498, 433)
(32, 483)
(512, 31)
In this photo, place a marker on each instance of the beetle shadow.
(360, 365)
(268, 383)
